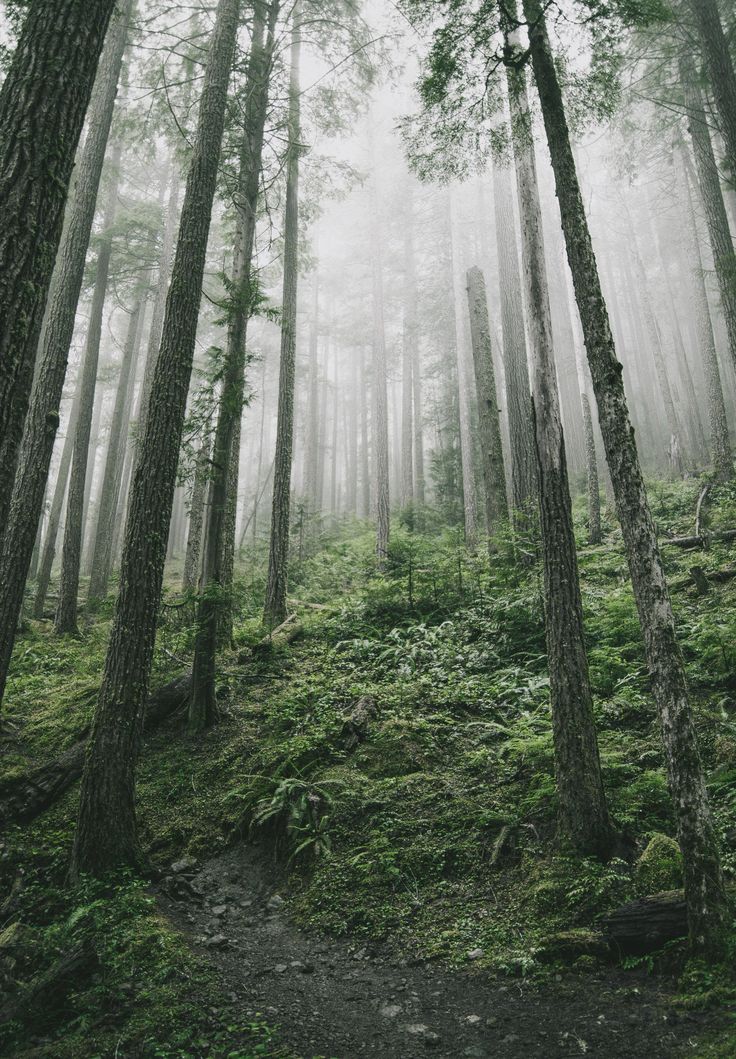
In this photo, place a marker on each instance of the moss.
(660, 866)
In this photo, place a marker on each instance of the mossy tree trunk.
(704, 888)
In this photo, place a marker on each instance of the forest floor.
(388, 775)
(340, 999)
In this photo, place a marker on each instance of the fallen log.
(643, 926)
(46, 987)
(23, 798)
(701, 540)
(285, 633)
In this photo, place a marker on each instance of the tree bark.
(226, 447)
(712, 196)
(494, 475)
(66, 610)
(521, 431)
(43, 102)
(408, 356)
(704, 886)
(583, 819)
(196, 516)
(720, 66)
(43, 418)
(106, 831)
(278, 559)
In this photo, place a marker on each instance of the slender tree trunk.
(278, 560)
(463, 389)
(110, 489)
(494, 474)
(196, 516)
(66, 610)
(43, 419)
(379, 391)
(720, 66)
(408, 357)
(106, 831)
(313, 411)
(48, 551)
(704, 889)
(521, 432)
(582, 813)
(720, 445)
(43, 102)
(365, 470)
(226, 449)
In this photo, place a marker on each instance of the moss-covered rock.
(566, 946)
(660, 865)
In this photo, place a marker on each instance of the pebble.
(475, 954)
(219, 910)
(390, 1011)
(217, 941)
(275, 903)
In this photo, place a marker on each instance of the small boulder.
(568, 945)
(184, 865)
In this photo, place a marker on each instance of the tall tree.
(720, 65)
(40, 432)
(43, 102)
(202, 707)
(704, 889)
(494, 475)
(106, 833)
(583, 814)
(66, 609)
(278, 558)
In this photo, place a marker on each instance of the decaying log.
(645, 925)
(355, 728)
(285, 633)
(700, 540)
(23, 798)
(42, 988)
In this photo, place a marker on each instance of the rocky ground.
(336, 999)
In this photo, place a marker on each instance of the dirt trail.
(340, 1000)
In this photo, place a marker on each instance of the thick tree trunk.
(711, 194)
(43, 102)
(720, 446)
(463, 388)
(278, 559)
(110, 490)
(66, 610)
(521, 432)
(106, 831)
(703, 878)
(720, 65)
(494, 475)
(582, 813)
(43, 418)
(226, 448)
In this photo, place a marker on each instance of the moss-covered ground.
(437, 831)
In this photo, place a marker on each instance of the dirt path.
(330, 998)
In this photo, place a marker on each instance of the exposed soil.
(332, 998)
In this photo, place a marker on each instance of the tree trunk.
(494, 475)
(720, 446)
(313, 411)
(196, 516)
(106, 832)
(202, 709)
(278, 559)
(704, 887)
(408, 356)
(521, 431)
(463, 389)
(379, 392)
(110, 489)
(712, 197)
(582, 813)
(48, 551)
(43, 418)
(365, 470)
(43, 102)
(720, 66)
(66, 610)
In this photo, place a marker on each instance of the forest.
(367, 515)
